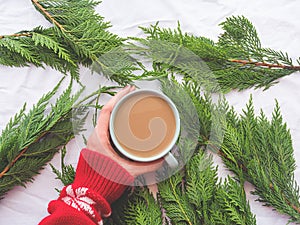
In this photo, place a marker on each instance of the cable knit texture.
(98, 182)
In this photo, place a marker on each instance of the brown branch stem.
(297, 209)
(264, 64)
(47, 14)
(25, 34)
(294, 207)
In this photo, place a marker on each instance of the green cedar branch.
(256, 150)
(265, 149)
(31, 139)
(236, 61)
(79, 36)
(191, 197)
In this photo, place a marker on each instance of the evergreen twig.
(78, 36)
(25, 34)
(31, 139)
(67, 174)
(256, 150)
(202, 199)
(236, 61)
(261, 151)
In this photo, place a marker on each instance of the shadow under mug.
(166, 152)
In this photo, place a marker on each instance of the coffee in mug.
(145, 125)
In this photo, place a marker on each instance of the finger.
(103, 120)
(103, 123)
(112, 102)
(132, 88)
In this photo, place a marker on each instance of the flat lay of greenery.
(254, 148)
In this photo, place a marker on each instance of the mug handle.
(171, 160)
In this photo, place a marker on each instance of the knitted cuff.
(102, 175)
(63, 214)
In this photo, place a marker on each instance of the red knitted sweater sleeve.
(98, 182)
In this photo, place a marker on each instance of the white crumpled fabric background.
(277, 23)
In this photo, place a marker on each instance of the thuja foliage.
(192, 196)
(261, 151)
(30, 139)
(257, 149)
(236, 60)
(78, 35)
(254, 148)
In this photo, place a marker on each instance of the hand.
(99, 140)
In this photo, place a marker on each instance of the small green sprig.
(67, 173)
